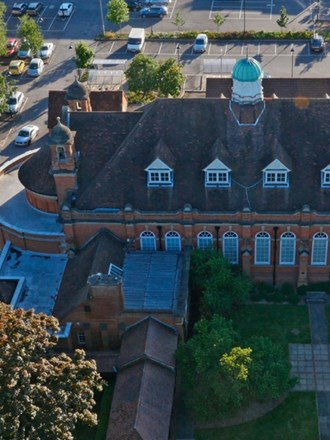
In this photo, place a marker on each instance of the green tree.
(236, 362)
(283, 20)
(142, 74)
(5, 90)
(118, 12)
(269, 372)
(41, 395)
(218, 20)
(170, 78)
(210, 391)
(29, 31)
(223, 289)
(3, 30)
(84, 55)
(178, 20)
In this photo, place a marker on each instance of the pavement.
(311, 362)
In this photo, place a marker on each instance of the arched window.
(288, 248)
(60, 153)
(148, 241)
(230, 247)
(320, 249)
(172, 241)
(262, 248)
(204, 240)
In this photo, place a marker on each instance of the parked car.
(133, 5)
(155, 2)
(317, 43)
(46, 51)
(200, 44)
(16, 67)
(24, 51)
(19, 8)
(12, 47)
(34, 9)
(65, 10)
(36, 67)
(154, 11)
(15, 102)
(26, 135)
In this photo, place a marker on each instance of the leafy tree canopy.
(142, 74)
(220, 371)
(84, 55)
(218, 20)
(118, 12)
(41, 396)
(222, 288)
(3, 29)
(283, 19)
(170, 78)
(30, 32)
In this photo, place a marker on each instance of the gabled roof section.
(94, 257)
(217, 164)
(158, 164)
(149, 338)
(327, 168)
(276, 165)
(163, 152)
(142, 402)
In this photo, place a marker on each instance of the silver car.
(26, 135)
(15, 102)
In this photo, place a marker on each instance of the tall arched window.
(262, 248)
(148, 241)
(204, 240)
(288, 248)
(230, 247)
(320, 249)
(172, 241)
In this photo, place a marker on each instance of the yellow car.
(16, 67)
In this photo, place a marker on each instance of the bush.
(263, 291)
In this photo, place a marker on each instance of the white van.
(136, 40)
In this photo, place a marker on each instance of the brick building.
(246, 171)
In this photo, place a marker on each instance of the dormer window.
(276, 175)
(325, 177)
(217, 175)
(159, 174)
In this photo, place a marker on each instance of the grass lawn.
(295, 418)
(284, 324)
(103, 404)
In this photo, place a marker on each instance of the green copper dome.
(247, 70)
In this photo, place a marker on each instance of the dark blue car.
(154, 11)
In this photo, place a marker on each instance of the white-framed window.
(217, 174)
(205, 240)
(262, 248)
(320, 249)
(159, 174)
(115, 270)
(172, 241)
(230, 247)
(148, 241)
(287, 248)
(276, 174)
(81, 338)
(325, 177)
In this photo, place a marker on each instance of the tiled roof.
(281, 87)
(143, 397)
(94, 257)
(149, 338)
(116, 148)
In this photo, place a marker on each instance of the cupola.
(247, 78)
(77, 97)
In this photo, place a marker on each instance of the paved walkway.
(311, 362)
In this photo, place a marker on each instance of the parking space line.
(209, 48)
(111, 47)
(160, 48)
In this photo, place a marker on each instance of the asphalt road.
(88, 20)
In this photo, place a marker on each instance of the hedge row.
(190, 35)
